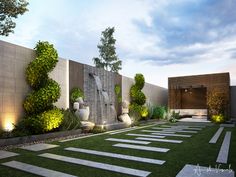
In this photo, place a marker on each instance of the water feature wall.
(100, 95)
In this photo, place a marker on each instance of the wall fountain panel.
(99, 94)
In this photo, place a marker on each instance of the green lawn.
(194, 150)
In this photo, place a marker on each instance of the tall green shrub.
(138, 98)
(38, 105)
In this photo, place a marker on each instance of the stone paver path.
(227, 125)
(145, 148)
(216, 135)
(104, 166)
(159, 140)
(35, 169)
(144, 135)
(224, 150)
(39, 147)
(115, 155)
(177, 135)
(127, 141)
(6, 154)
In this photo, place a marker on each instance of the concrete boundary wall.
(155, 95)
(69, 74)
(13, 87)
(233, 102)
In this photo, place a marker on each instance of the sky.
(158, 38)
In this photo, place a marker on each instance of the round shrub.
(140, 98)
(158, 112)
(218, 118)
(46, 59)
(50, 120)
(139, 81)
(133, 91)
(144, 112)
(134, 111)
(42, 99)
(75, 94)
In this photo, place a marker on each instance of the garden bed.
(33, 138)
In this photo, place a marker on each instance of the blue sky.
(159, 38)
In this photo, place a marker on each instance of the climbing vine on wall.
(38, 104)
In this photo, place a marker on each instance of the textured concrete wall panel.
(13, 86)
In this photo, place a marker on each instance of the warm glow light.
(8, 126)
(8, 121)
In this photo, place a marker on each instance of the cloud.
(163, 37)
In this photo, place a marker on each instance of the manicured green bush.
(144, 112)
(75, 94)
(50, 120)
(41, 123)
(134, 111)
(158, 112)
(138, 98)
(46, 59)
(218, 118)
(41, 116)
(70, 121)
(139, 81)
(43, 98)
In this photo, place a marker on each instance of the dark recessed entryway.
(193, 98)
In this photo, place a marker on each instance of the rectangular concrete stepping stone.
(138, 147)
(144, 135)
(227, 125)
(224, 150)
(132, 128)
(186, 131)
(216, 135)
(6, 154)
(200, 171)
(127, 141)
(177, 135)
(39, 147)
(155, 131)
(122, 130)
(174, 131)
(159, 140)
(99, 165)
(192, 128)
(166, 129)
(35, 169)
(119, 156)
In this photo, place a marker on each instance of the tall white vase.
(84, 113)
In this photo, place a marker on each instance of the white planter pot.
(84, 114)
(76, 105)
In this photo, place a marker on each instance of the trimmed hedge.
(38, 105)
(138, 98)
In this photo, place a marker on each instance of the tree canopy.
(10, 9)
(107, 52)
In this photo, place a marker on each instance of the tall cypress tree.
(107, 52)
